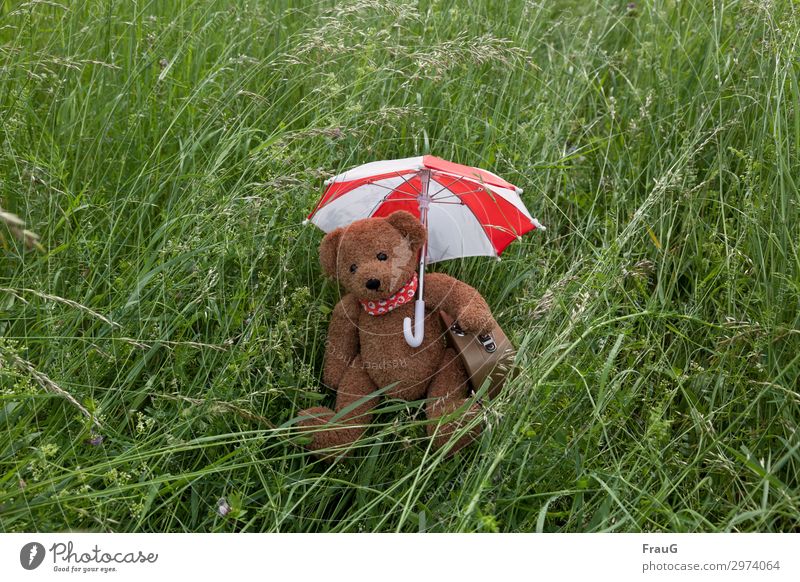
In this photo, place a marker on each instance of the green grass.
(167, 152)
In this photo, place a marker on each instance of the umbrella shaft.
(424, 202)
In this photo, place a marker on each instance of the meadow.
(161, 335)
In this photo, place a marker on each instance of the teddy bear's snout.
(373, 284)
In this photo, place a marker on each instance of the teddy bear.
(375, 260)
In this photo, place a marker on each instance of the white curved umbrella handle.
(414, 338)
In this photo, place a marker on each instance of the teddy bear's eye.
(382, 256)
(353, 268)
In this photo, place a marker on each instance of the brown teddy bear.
(375, 260)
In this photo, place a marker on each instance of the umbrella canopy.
(470, 211)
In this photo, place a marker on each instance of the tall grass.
(155, 352)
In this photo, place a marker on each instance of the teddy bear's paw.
(311, 423)
(444, 433)
(316, 416)
(328, 440)
(476, 321)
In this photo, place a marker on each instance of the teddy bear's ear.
(329, 250)
(409, 226)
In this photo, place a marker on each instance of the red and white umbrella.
(467, 211)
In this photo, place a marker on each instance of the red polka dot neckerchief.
(383, 306)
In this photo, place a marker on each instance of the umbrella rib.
(460, 179)
(391, 191)
(384, 187)
(462, 193)
(502, 228)
(377, 204)
(456, 181)
(486, 190)
(402, 177)
(439, 201)
(481, 183)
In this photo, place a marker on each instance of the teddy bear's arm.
(342, 345)
(461, 301)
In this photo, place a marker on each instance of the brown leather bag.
(484, 356)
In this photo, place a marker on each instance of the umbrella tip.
(518, 189)
(306, 221)
(539, 225)
(498, 259)
(328, 181)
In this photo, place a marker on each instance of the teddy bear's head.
(374, 257)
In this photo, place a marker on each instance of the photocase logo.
(31, 555)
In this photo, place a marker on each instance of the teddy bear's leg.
(327, 433)
(448, 391)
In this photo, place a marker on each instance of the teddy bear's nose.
(373, 284)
